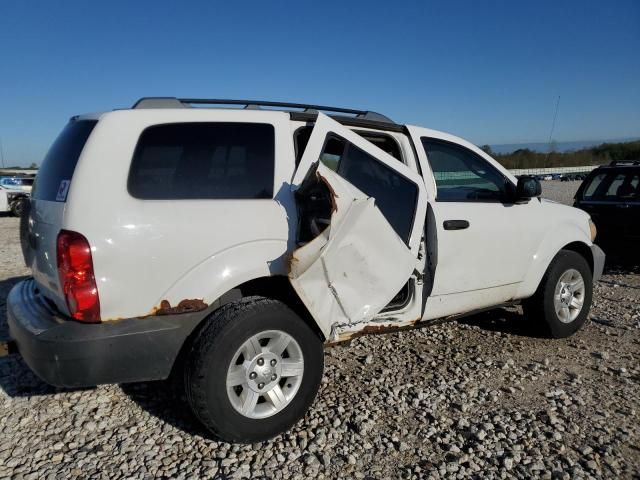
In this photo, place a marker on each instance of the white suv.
(230, 244)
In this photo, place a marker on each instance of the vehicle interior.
(315, 211)
(383, 141)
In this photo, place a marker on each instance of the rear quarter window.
(54, 177)
(214, 160)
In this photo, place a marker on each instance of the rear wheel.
(562, 302)
(17, 207)
(253, 370)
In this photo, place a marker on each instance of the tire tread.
(196, 359)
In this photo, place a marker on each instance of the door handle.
(455, 224)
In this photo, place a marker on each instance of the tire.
(541, 308)
(17, 207)
(214, 353)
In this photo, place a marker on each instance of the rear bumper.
(67, 353)
(598, 261)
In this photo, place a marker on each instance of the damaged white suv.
(228, 245)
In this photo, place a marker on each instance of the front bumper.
(598, 262)
(67, 353)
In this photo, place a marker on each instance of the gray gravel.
(562, 192)
(481, 398)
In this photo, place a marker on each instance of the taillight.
(75, 268)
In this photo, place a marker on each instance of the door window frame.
(331, 135)
(325, 126)
(508, 191)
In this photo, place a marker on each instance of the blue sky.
(488, 71)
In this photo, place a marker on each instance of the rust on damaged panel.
(377, 330)
(184, 306)
(291, 255)
(290, 258)
(334, 205)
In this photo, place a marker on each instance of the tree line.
(600, 154)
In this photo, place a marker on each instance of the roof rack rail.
(624, 162)
(173, 102)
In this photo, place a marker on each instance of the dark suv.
(611, 195)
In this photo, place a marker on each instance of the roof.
(623, 163)
(297, 111)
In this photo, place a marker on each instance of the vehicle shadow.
(161, 399)
(166, 401)
(16, 379)
(508, 320)
(621, 263)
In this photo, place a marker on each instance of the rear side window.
(53, 179)
(204, 161)
(395, 195)
(593, 185)
(613, 187)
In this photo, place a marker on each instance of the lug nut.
(260, 386)
(261, 361)
(273, 362)
(273, 377)
(253, 375)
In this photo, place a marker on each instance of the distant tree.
(598, 155)
(33, 165)
(486, 149)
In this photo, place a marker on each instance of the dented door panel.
(343, 276)
(354, 267)
(325, 127)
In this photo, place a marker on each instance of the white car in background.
(228, 245)
(13, 193)
(23, 184)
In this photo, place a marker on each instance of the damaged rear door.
(361, 216)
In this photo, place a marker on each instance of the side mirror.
(528, 187)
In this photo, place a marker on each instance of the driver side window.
(461, 175)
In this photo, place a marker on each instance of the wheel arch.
(568, 238)
(277, 287)
(583, 250)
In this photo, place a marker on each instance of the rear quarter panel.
(146, 251)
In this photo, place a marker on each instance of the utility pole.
(553, 126)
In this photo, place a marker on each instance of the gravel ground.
(480, 398)
(562, 192)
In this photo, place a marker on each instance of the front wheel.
(253, 370)
(562, 302)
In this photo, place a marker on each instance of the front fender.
(227, 269)
(555, 239)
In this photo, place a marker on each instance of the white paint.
(4, 201)
(504, 246)
(145, 251)
(343, 276)
(5, 205)
(325, 125)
